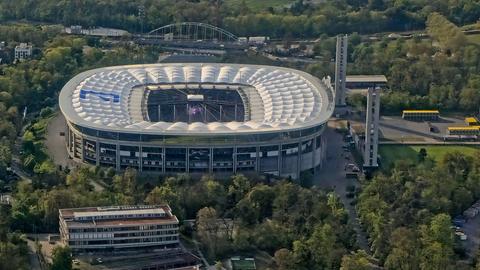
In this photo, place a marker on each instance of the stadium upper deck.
(114, 98)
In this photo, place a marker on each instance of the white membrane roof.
(290, 99)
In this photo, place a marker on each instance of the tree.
(470, 94)
(208, 229)
(213, 191)
(323, 245)
(126, 184)
(404, 254)
(162, 195)
(359, 260)
(446, 33)
(61, 258)
(422, 154)
(470, 99)
(261, 197)
(239, 187)
(218, 265)
(284, 259)
(80, 178)
(437, 241)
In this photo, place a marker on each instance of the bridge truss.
(192, 31)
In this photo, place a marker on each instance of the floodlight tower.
(341, 69)
(370, 154)
(141, 16)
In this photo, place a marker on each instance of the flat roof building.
(118, 228)
(365, 81)
(23, 51)
(421, 115)
(472, 121)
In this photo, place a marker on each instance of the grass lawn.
(474, 38)
(258, 5)
(391, 153)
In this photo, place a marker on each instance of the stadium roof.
(110, 98)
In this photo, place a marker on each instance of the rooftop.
(113, 98)
(421, 111)
(465, 128)
(117, 215)
(366, 79)
(471, 120)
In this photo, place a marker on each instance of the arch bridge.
(191, 31)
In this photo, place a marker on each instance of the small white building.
(23, 51)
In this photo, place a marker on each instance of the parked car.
(459, 221)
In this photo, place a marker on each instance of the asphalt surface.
(56, 148)
(32, 255)
(472, 229)
(54, 143)
(332, 176)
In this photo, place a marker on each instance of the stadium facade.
(192, 117)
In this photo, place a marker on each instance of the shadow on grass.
(389, 154)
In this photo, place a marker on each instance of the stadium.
(198, 118)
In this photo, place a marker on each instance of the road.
(32, 255)
(334, 177)
(472, 229)
(16, 162)
(202, 257)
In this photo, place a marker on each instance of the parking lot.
(396, 129)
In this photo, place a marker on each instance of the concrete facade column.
(370, 153)
(257, 159)
(187, 160)
(164, 162)
(299, 160)
(117, 157)
(280, 158)
(97, 152)
(234, 158)
(210, 160)
(140, 158)
(341, 70)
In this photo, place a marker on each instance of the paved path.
(472, 229)
(32, 255)
(333, 176)
(202, 257)
(54, 143)
(56, 149)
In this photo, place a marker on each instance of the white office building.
(23, 51)
(116, 228)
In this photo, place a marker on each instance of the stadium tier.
(196, 117)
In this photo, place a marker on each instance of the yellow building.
(421, 115)
(472, 121)
(467, 131)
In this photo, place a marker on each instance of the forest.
(300, 19)
(408, 212)
(440, 72)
